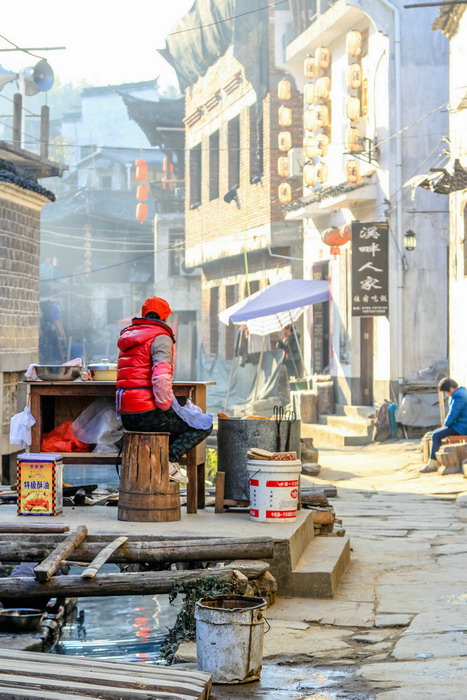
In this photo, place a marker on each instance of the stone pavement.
(397, 628)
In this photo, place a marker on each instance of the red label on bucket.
(294, 493)
(282, 484)
(254, 482)
(254, 513)
(280, 513)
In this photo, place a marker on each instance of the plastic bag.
(98, 424)
(20, 428)
(63, 439)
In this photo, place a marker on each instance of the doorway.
(366, 360)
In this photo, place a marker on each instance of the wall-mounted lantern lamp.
(410, 240)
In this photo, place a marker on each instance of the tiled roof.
(10, 173)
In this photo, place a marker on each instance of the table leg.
(192, 487)
(201, 474)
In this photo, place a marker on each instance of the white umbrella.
(263, 325)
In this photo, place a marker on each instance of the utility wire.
(20, 49)
(227, 19)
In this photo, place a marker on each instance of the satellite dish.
(6, 76)
(38, 78)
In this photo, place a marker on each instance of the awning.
(283, 296)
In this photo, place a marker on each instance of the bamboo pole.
(47, 568)
(102, 557)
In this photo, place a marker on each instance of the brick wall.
(19, 294)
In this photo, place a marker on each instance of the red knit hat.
(158, 305)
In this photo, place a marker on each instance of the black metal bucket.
(235, 436)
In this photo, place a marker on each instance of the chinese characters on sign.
(370, 266)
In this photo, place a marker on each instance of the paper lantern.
(352, 171)
(284, 193)
(141, 212)
(322, 57)
(323, 87)
(335, 237)
(284, 89)
(352, 108)
(310, 69)
(142, 193)
(309, 175)
(353, 142)
(141, 169)
(354, 76)
(284, 140)
(310, 119)
(321, 173)
(322, 142)
(322, 115)
(309, 93)
(285, 116)
(283, 166)
(353, 43)
(310, 147)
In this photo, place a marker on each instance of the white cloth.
(192, 415)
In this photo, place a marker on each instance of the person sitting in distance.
(455, 422)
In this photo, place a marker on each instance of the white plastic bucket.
(229, 637)
(274, 488)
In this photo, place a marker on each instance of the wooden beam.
(220, 491)
(138, 583)
(204, 549)
(46, 569)
(30, 528)
(102, 557)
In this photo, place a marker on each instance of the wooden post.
(220, 492)
(192, 486)
(442, 407)
(102, 557)
(46, 569)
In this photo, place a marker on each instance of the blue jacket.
(457, 416)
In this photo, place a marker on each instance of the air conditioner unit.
(296, 162)
(188, 271)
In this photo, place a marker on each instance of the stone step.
(355, 412)
(350, 425)
(320, 568)
(327, 436)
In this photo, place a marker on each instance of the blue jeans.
(439, 435)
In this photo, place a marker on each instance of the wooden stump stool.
(146, 494)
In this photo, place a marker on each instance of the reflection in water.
(118, 628)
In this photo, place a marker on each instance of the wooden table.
(53, 403)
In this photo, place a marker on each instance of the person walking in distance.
(145, 398)
(455, 422)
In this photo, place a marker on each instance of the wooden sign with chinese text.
(370, 268)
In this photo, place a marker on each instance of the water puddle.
(118, 628)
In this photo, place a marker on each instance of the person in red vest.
(145, 399)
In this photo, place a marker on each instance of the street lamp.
(410, 240)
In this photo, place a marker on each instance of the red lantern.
(142, 193)
(335, 237)
(141, 212)
(141, 169)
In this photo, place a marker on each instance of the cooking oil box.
(40, 483)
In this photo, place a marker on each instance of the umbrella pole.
(260, 364)
(297, 344)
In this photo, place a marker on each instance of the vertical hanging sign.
(370, 269)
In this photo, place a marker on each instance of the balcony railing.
(169, 199)
(305, 12)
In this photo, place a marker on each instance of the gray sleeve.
(161, 350)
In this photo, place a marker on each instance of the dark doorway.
(320, 340)
(366, 360)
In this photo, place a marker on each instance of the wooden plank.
(32, 528)
(220, 492)
(205, 549)
(46, 569)
(132, 583)
(102, 557)
(110, 678)
(442, 407)
(192, 486)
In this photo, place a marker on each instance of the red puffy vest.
(134, 383)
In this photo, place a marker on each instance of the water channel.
(118, 628)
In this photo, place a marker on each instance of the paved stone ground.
(397, 629)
